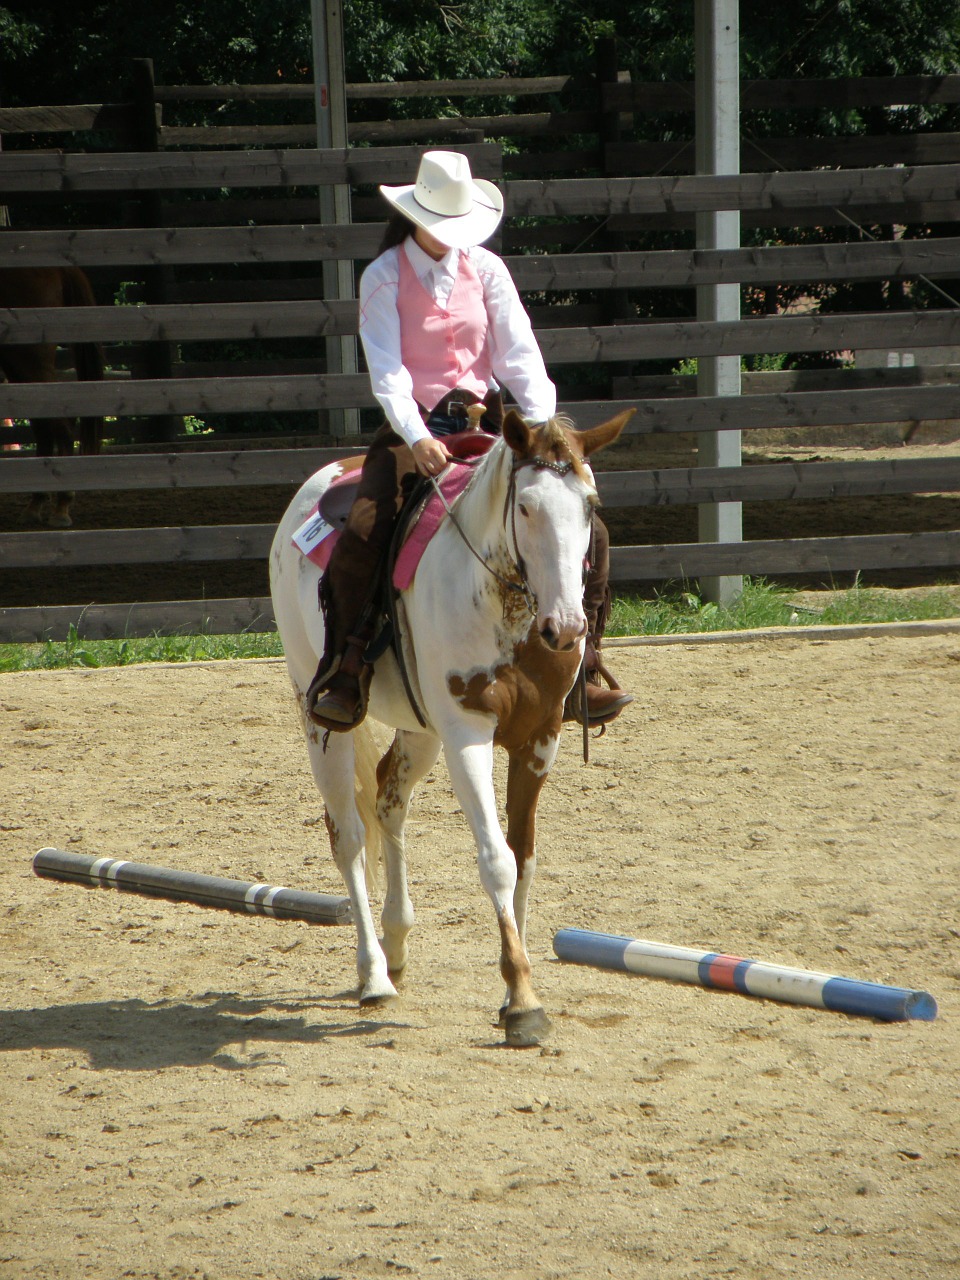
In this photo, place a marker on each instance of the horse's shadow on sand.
(132, 1035)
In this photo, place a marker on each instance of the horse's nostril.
(549, 635)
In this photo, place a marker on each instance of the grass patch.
(78, 652)
(676, 612)
(682, 612)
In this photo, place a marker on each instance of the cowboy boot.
(603, 704)
(339, 701)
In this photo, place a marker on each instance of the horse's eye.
(523, 509)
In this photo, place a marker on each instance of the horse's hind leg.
(333, 772)
(410, 757)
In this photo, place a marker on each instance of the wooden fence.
(596, 347)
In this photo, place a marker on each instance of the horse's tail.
(87, 356)
(366, 754)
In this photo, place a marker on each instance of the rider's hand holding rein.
(430, 455)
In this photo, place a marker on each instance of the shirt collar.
(423, 264)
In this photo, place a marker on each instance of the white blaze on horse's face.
(552, 521)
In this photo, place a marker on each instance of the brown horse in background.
(52, 287)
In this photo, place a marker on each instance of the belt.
(452, 405)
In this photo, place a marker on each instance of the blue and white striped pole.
(750, 977)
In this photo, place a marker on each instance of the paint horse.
(36, 362)
(495, 630)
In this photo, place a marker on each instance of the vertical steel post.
(330, 98)
(717, 38)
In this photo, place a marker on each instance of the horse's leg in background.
(470, 763)
(411, 756)
(334, 774)
(57, 435)
(53, 436)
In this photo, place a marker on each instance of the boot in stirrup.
(338, 701)
(603, 705)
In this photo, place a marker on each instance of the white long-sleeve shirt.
(515, 356)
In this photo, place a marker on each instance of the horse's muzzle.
(562, 638)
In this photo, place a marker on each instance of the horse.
(494, 632)
(36, 362)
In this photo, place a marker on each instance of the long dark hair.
(398, 228)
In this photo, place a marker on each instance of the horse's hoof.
(59, 520)
(377, 997)
(527, 1028)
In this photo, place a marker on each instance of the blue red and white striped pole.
(750, 977)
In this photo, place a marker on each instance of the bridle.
(522, 585)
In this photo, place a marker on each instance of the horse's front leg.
(411, 756)
(471, 772)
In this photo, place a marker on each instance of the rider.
(442, 326)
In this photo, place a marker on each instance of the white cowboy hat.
(459, 210)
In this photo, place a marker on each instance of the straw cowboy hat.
(459, 210)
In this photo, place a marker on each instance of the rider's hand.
(430, 456)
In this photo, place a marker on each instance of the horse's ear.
(516, 433)
(599, 437)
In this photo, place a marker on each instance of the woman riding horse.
(442, 326)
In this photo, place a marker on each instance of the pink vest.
(443, 347)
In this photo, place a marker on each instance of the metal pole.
(717, 38)
(330, 98)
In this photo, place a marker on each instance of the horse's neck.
(480, 511)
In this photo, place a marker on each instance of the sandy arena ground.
(186, 1093)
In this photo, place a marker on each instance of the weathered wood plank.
(168, 246)
(891, 330)
(22, 172)
(503, 86)
(168, 470)
(778, 482)
(819, 188)
(841, 92)
(540, 124)
(117, 117)
(791, 556)
(65, 548)
(68, 172)
(284, 393)
(178, 322)
(790, 153)
(185, 395)
(764, 482)
(252, 542)
(655, 340)
(120, 621)
(680, 268)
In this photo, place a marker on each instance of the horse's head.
(552, 512)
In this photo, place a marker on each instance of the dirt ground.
(187, 1093)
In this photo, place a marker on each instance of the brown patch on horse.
(525, 695)
(388, 777)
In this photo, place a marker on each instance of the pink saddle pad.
(452, 483)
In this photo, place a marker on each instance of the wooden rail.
(559, 214)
